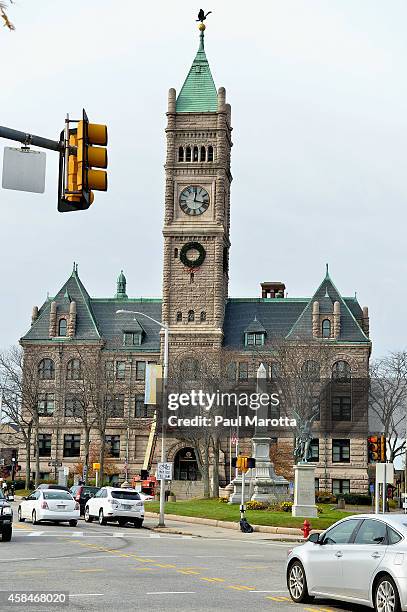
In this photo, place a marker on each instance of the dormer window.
(62, 327)
(131, 338)
(254, 339)
(326, 328)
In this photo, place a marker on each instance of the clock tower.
(197, 209)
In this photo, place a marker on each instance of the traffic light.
(373, 448)
(382, 448)
(243, 464)
(78, 160)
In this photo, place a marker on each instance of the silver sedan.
(360, 559)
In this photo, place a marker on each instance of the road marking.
(165, 565)
(20, 559)
(240, 587)
(143, 569)
(213, 579)
(35, 533)
(155, 535)
(209, 556)
(32, 572)
(100, 557)
(268, 591)
(86, 594)
(172, 593)
(180, 571)
(93, 569)
(77, 534)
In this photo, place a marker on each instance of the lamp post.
(161, 522)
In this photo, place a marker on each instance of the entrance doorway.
(185, 465)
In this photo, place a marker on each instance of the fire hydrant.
(306, 528)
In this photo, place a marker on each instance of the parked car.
(49, 505)
(81, 493)
(115, 504)
(53, 486)
(360, 559)
(6, 519)
(145, 497)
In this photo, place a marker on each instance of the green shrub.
(256, 505)
(324, 497)
(356, 499)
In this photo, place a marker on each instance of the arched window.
(195, 159)
(188, 154)
(181, 154)
(179, 317)
(62, 327)
(203, 154)
(326, 328)
(210, 153)
(310, 370)
(74, 370)
(175, 253)
(192, 277)
(46, 369)
(191, 316)
(274, 370)
(203, 316)
(341, 371)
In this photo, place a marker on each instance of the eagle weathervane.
(202, 17)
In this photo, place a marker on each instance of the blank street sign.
(24, 170)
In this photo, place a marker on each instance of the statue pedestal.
(304, 491)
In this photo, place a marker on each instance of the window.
(120, 370)
(140, 408)
(74, 370)
(341, 408)
(109, 370)
(189, 368)
(140, 370)
(326, 328)
(46, 404)
(73, 406)
(188, 154)
(113, 446)
(341, 371)
(243, 370)
(115, 406)
(340, 486)
(342, 533)
(203, 316)
(195, 159)
(62, 327)
(179, 317)
(314, 450)
(210, 153)
(310, 370)
(181, 154)
(44, 445)
(72, 445)
(191, 316)
(371, 532)
(341, 451)
(274, 370)
(231, 371)
(203, 154)
(392, 536)
(46, 369)
(175, 253)
(255, 339)
(131, 338)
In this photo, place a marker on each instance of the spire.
(121, 286)
(198, 93)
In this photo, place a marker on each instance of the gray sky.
(318, 94)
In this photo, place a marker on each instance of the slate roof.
(255, 327)
(198, 93)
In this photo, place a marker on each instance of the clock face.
(194, 200)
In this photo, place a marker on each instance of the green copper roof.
(198, 93)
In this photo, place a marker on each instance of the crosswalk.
(35, 533)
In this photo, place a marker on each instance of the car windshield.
(125, 495)
(90, 489)
(55, 494)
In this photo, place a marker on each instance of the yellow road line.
(240, 587)
(180, 571)
(143, 569)
(213, 579)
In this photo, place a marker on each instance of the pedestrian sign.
(164, 471)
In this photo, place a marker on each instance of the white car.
(360, 559)
(49, 505)
(145, 497)
(115, 504)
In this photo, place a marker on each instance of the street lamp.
(161, 522)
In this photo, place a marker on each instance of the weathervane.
(201, 18)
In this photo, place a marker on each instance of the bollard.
(306, 528)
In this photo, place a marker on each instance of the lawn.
(214, 509)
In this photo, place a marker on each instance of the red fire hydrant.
(306, 528)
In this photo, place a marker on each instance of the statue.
(304, 437)
(202, 16)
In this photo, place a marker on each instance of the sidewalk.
(208, 528)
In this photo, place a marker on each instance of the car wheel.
(73, 523)
(386, 597)
(88, 517)
(297, 583)
(34, 518)
(6, 534)
(102, 520)
(138, 523)
(20, 518)
(122, 522)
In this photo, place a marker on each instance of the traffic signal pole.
(31, 139)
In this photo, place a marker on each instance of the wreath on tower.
(192, 263)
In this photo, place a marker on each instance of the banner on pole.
(153, 380)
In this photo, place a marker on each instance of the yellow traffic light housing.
(373, 448)
(383, 448)
(77, 174)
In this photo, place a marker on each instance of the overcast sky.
(318, 95)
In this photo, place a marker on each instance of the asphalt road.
(111, 568)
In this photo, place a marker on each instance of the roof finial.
(327, 269)
(202, 27)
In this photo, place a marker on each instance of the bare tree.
(388, 401)
(4, 16)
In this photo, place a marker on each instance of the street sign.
(55, 463)
(24, 170)
(164, 471)
(96, 466)
(385, 473)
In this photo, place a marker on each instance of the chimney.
(53, 320)
(315, 319)
(34, 315)
(365, 320)
(337, 320)
(272, 289)
(72, 320)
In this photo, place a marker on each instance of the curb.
(292, 531)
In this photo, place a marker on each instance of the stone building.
(200, 314)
